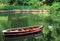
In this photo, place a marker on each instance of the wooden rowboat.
(22, 31)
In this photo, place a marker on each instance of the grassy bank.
(12, 7)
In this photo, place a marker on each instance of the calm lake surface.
(10, 20)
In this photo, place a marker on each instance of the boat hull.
(38, 29)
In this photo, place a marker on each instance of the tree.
(50, 2)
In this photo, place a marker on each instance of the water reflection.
(27, 37)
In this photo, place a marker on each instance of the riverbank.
(25, 11)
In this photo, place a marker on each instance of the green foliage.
(55, 6)
(28, 4)
(55, 12)
(35, 4)
(20, 20)
(4, 1)
(10, 7)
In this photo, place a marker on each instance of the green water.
(22, 20)
(3, 24)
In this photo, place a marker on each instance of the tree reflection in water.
(49, 36)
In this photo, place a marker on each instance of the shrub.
(56, 6)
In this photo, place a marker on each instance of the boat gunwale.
(24, 31)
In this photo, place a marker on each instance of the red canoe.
(21, 31)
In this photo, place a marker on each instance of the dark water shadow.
(58, 31)
(22, 37)
(49, 36)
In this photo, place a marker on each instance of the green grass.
(11, 7)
